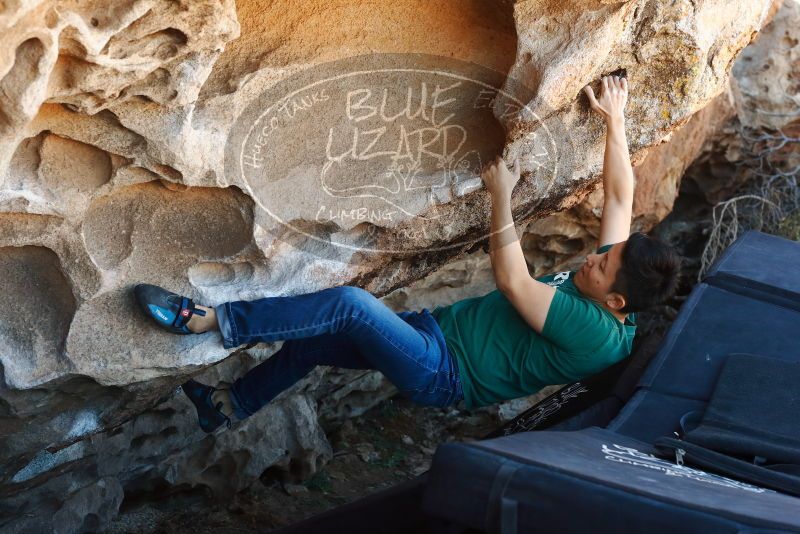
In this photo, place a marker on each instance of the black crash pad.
(592, 480)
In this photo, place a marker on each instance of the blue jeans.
(345, 327)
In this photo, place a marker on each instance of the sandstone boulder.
(116, 124)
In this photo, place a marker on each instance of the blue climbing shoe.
(170, 311)
(209, 416)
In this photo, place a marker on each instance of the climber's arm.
(615, 224)
(529, 297)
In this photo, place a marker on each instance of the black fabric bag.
(590, 400)
(751, 428)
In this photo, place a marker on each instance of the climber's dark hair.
(649, 274)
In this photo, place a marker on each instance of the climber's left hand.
(499, 180)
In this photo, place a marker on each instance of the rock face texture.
(763, 93)
(118, 166)
(766, 78)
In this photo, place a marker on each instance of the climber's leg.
(293, 361)
(341, 326)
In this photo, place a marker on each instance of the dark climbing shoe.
(209, 416)
(170, 311)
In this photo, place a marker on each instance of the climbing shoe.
(209, 415)
(170, 311)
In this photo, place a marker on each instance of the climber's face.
(597, 275)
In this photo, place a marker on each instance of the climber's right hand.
(613, 97)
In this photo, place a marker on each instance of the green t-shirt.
(501, 357)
